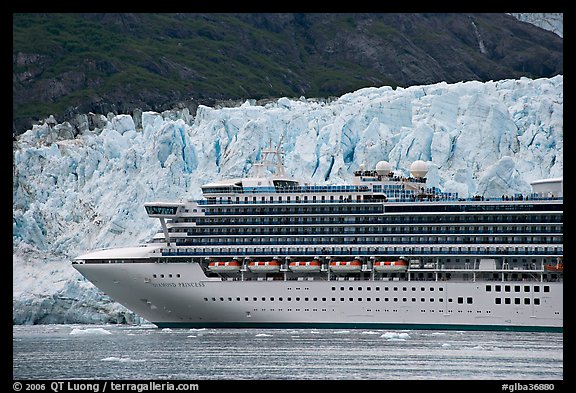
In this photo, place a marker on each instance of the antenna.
(267, 161)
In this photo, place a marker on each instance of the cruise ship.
(385, 251)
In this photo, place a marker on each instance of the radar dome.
(419, 168)
(383, 168)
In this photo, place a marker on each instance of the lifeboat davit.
(264, 266)
(305, 266)
(346, 266)
(391, 266)
(224, 266)
(556, 268)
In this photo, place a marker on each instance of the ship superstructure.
(385, 251)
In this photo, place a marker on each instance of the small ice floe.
(395, 336)
(88, 331)
(167, 330)
(123, 360)
(197, 332)
(341, 331)
(439, 333)
(314, 332)
(263, 335)
(370, 332)
(446, 345)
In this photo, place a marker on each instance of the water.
(148, 353)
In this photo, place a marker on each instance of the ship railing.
(412, 198)
(340, 278)
(313, 240)
(319, 201)
(226, 214)
(286, 190)
(351, 253)
(418, 228)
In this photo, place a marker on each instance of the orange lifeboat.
(305, 266)
(555, 268)
(346, 266)
(224, 266)
(391, 266)
(264, 266)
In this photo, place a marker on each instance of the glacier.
(72, 194)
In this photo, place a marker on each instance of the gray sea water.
(145, 352)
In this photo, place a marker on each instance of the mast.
(271, 157)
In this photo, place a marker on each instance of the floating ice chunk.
(446, 345)
(370, 332)
(88, 331)
(263, 335)
(167, 330)
(395, 336)
(124, 360)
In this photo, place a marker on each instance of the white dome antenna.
(419, 168)
(383, 168)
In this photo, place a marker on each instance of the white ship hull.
(476, 264)
(194, 300)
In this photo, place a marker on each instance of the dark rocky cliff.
(65, 64)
